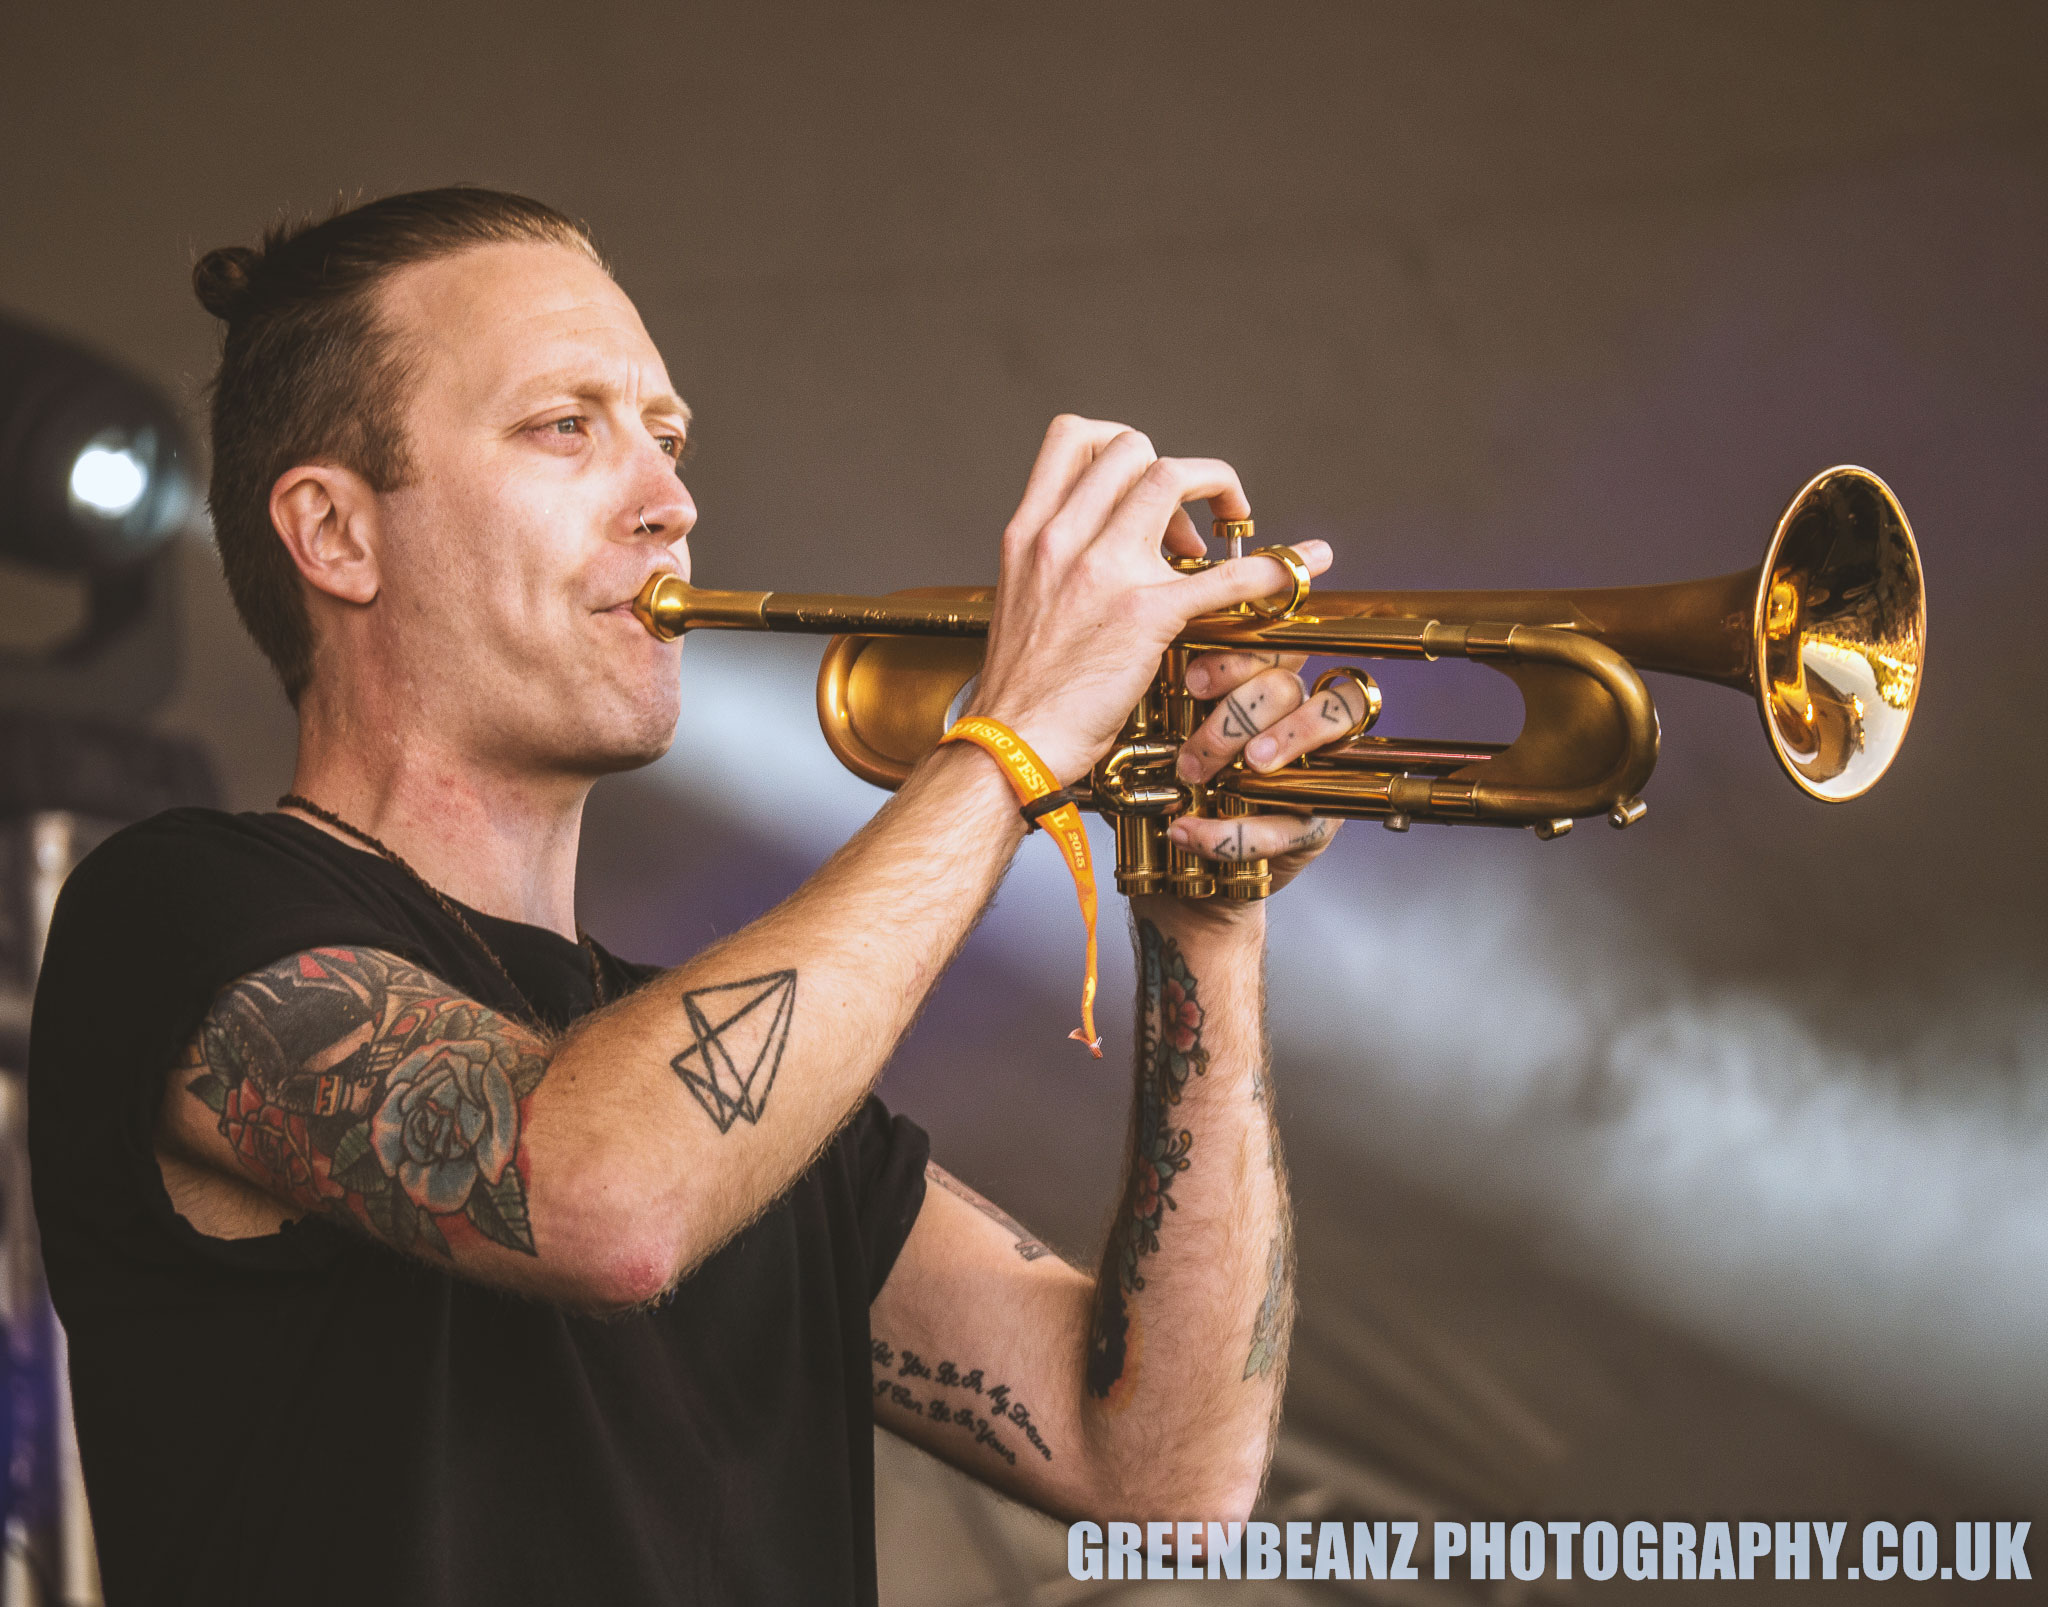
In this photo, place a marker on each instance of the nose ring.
(642, 526)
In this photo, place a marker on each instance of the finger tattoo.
(1237, 717)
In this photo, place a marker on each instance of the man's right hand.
(1087, 601)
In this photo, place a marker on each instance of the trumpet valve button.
(1234, 533)
(1395, 822)
(1549, 829)
(1627, 813)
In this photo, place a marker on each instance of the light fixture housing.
(95, 471)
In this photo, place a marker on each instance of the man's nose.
(667, 512)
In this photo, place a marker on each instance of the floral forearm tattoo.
(1170, 1051)
(356, 1085)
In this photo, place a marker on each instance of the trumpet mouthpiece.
(662, 606)
(669, 605)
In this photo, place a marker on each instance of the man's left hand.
(1262, 711)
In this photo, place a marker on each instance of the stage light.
(94, 471)
(109, 480)
(95, 480)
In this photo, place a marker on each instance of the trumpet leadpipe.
(668, 606)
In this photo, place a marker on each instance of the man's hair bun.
(221, 280)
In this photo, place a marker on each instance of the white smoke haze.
(1870, 1226)
(1874, 1229)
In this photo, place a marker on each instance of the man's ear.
(327, 519)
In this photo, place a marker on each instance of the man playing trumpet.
(414, 1248)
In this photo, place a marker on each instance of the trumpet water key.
(1828, 635)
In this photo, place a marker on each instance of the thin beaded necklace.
(304, 805)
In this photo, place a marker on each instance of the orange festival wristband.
(1031, 780)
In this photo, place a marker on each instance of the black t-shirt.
(310, 1418)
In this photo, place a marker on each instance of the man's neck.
(501, 843)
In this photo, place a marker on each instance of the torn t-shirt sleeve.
(148, 930)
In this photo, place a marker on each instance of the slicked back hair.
(310, 373)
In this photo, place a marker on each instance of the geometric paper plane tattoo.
(741, 1029)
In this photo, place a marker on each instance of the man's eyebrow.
(585, 386)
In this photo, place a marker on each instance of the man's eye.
(673, 446)
(572, 425)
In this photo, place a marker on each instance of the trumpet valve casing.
(1141, 846)
(1241, 879)
(1188, 874)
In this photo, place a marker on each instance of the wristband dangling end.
(1061, 817)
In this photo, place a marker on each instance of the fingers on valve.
(1342, 704)
(1252, 836)
(1250, 579)
(1343, 694)
(1265, 700)
(1168, 482)
(1182, 539)
(1211, 675)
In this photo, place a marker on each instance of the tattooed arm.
(596, 1169)
(351, 1083)
(1194, 1302)
(1152, 1389)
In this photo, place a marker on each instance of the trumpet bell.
(1839, 634)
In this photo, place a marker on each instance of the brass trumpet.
(1828, 633)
